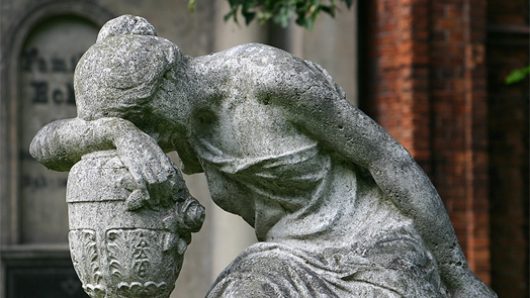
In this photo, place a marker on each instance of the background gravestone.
(41, 43)
(47, 64)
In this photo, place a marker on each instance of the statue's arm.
(60, 144)
(320, 109)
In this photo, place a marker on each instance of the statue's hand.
(157, 180)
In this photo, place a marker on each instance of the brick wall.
(432, 73)
(508, 48)
(395, 79)
(425, 82)
(459, 126)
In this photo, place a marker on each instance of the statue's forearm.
(60, 144)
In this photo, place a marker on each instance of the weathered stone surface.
(120, 248)
(340, 208)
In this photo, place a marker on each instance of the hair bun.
(126, 25)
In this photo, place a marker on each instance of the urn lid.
(102, 171)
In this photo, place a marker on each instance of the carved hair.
(126, 25)
(123, 70)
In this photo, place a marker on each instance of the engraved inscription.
(49, 89)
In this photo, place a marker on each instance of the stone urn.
(119, 252)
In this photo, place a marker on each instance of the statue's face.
(155, 126)
(163, 115)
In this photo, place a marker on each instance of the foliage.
(280, 12)
(518, 75)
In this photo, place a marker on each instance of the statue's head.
(122, 71)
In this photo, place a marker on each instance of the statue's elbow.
(41, 150)
(36, 149)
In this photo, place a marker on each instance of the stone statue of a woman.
(340, 208)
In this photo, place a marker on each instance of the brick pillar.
(427, 86)
(459, 123)
(398, 71)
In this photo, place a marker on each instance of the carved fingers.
(152, 170)
(156, 184)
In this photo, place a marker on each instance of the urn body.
(117, 252)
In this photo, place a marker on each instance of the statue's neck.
(206, 78)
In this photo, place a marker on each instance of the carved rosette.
(117, 252)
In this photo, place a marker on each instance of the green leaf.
(281, 12)
(329, 9)
(249, 16)
(517, 75)
(191, 5)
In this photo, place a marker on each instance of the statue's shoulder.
(250, 56)
(253, 53)
(255, 48)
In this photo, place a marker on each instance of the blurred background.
(431, 72)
